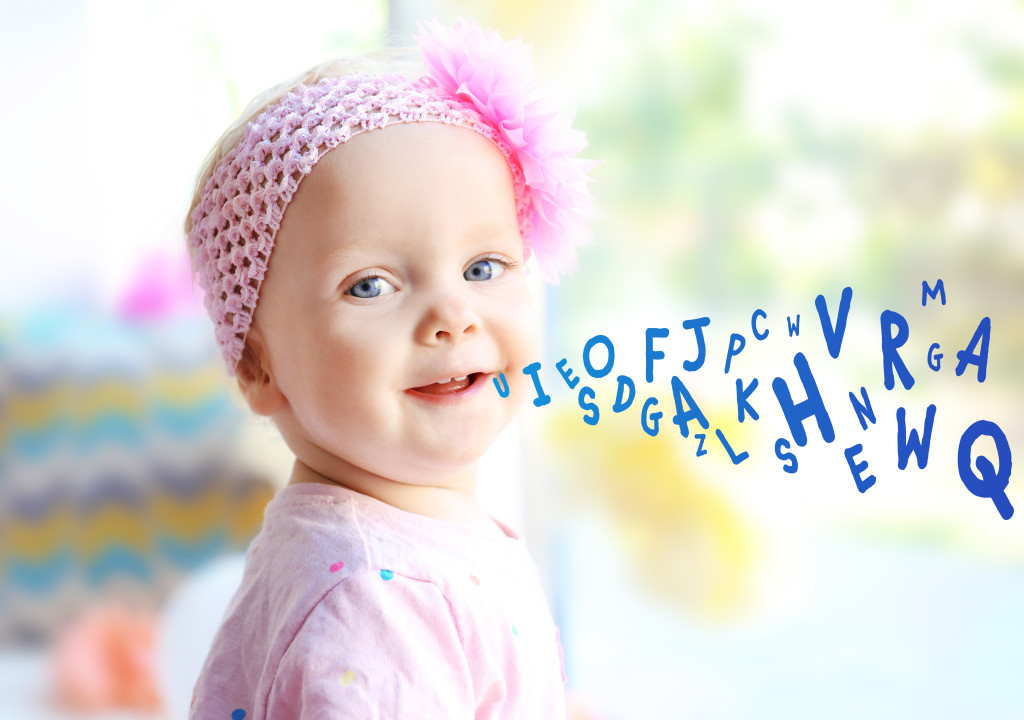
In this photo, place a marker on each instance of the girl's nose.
(448, 318)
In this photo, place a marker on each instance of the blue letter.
(913, 444)
(991, 484)
(533, 370)
(586, 356)
(792, 466)
(813, 405)
(683, 417)
(736, 459)
(734, 349)
(890, 346)
(741, 398)
(697, 327)
(566, 373)
(653, 432)
(934, 357)
(967, 356)
(834, 335)
(753, 324)
(700, 438)
(927, 292)
(595, 414)
(794, 328)
(653, 354)
(619, 405)
(503, 387)
(863, 411)
(858, 468)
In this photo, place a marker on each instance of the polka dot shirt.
(351, 608)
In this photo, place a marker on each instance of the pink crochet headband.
(475, 81)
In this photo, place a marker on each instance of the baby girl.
(362, 241)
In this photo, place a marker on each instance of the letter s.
(793, 465)
(595, 414)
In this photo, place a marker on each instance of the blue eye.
(484, 270)
(371, 287)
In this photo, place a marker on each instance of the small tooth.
(461, 378)
(444, 382)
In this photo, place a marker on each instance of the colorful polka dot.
(386, 574)
(515, 631)
(474, 579)
(347, 678)
(238, 714)
(337, 566)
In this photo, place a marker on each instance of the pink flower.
(554, 202)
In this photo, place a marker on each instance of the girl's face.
(398, 267)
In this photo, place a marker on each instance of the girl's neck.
(452, 502)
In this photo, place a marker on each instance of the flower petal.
(496, 77)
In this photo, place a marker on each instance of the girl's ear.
(256, 379)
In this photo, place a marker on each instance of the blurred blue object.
(117, 439)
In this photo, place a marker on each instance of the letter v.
(834, 334)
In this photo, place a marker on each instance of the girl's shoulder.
(329, 544)
(331, 526)
(356, 591)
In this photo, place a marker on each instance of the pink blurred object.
(107, 660)
(578, 708)
(162, 287)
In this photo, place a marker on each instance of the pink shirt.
(352, 608)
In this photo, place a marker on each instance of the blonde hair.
(400, 60)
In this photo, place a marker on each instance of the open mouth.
(450, 386)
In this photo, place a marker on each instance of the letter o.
(591, 370)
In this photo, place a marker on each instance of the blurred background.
(754, 156)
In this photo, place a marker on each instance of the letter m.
(927, 292)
